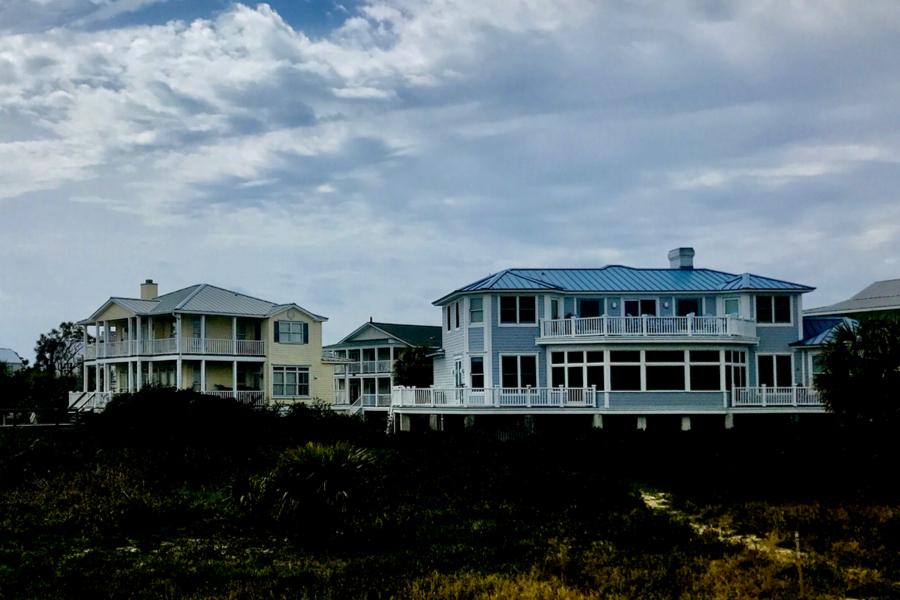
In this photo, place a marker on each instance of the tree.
(414, 367)
(59, 353)
(860, 378)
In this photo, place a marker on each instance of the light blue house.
(618, 340)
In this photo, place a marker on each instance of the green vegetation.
(861, 374)
(175, 495)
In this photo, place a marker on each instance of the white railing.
(214, 346)
(775, 396)
(648, 326)
(341, 398)
(333, 355)
(254, 397)
(89, 400)
(376, 400)
(499, 397)
(370, 367)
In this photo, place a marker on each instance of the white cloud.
(423, 144)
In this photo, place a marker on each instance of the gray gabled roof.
(412, 335)
(202, 299)
(881, 295)
(616, 278)
(9, 357)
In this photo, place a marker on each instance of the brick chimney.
(149, 290)
(681, 258)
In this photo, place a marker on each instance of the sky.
(365, 158)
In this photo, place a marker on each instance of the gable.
(368, 333)
(114, 312)
(292, 313)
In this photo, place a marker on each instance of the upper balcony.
(366, 367)
(646, 326)
(159, 347)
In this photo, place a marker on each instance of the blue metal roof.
(616, 278)
(820, 330)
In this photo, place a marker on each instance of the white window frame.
(772, 299)
(775, 368)
(519, 355)
(602, 301)
(483, 369)
(625, 299)
(304, 332)
(584, 365)
(725, 302)
(701, 304)
(472, 311)
(518, 322)
(298, 369)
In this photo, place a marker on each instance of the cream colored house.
(209, 339)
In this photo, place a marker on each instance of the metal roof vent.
(681, 258)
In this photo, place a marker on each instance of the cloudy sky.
(364, 158)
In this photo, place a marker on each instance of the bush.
(311, 489)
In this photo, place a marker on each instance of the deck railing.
(341, 398)
(370, 367)
(775, 396)
(252, 397)
(207, 346)
(527, 397)
(689, 326)
(376, 400)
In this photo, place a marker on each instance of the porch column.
(685, 423)
(178, 365)
(84, 362)
(150, 372)
(139, 350)
(107, 384)
(97, 376)
(234, 335)
(105, 337)
(234, 378)
(203, 335)
(130, 377)
(203, 375)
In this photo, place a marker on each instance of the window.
(195, 385)
(705, 371)
(457, 314)
(290, 382)
(817, 367)
(292, 332)
(687, 306)
(665, 370)
(476, 310)
(448, 317)
(477, 370)
(241, 330)
(625, 370)
(590, 308)
(775, 370)
(518, 309)
(773, 309)
(554, 309)
(518, 371)
(577, 369)
(735, 369)
(196, 327)
(732, 306)
(636, 308)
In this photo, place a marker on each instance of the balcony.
(199, 346)
(775, 396)
(647, 326)
(367, 367)
(593, 400)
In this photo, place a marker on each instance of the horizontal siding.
(673, 401)
(476, 339)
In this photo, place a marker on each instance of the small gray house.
(12, 360)
(880, 298)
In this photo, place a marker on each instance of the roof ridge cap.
(181, 304)
(221, 289)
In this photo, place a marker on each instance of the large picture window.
(292, 332)
(625, 370)
(637, 308)
(518, 371)
(687, 306)
(590, 308)
(775, 370)
(290, 382)
(773, 309)
(576, 369)
(518, 309)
